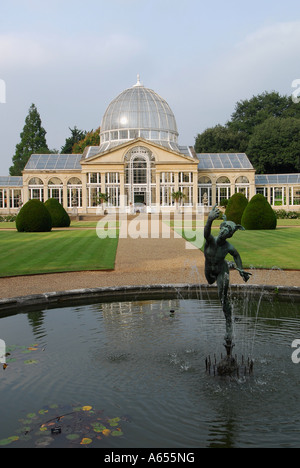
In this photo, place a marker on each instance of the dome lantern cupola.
(138, 112)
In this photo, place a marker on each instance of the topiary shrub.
(258, 214)
(34, 217)
(59, 216)
(235, 208)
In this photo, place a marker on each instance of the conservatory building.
(139, 165)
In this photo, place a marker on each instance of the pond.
(132, 374)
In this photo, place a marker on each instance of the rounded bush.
(235, 208)
(59, 216)
(258, 214)
(34, 217)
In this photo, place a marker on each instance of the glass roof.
(54, 162)
(138, 112)
(13, 181)
(223, 161)
(277, 179)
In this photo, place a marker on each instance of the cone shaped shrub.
(235, 208)
(59, 216)
(258, 214)
(34, 217)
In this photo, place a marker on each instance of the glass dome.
(138, 112)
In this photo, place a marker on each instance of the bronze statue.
(216, 267)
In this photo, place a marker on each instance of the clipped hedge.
(34, 217)
(235, 208)
(59, 216)
(258, 214)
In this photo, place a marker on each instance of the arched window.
(204, 191)
(55, 189)
(140, 176)
(55, 181)
(223, 189)
(242, 185)
(74, 181)
(74, 192)
(223, 180)
(36, 189)
(204, 180)
(35, 181)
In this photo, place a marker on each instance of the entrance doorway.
(140, 197)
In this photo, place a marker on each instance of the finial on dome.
(138, 83)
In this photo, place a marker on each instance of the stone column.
(84, 194)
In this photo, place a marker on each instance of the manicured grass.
(56, 251)
(263, 249)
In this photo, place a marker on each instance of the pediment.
(117, 154)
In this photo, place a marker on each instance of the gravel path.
(141, 262)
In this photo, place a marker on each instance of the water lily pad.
(87, 408)
(117, 433)
(86, 441)
(8, 441)
(30, 361)
(114, 421)
(98, 427)
(106, 432)
(73, 436)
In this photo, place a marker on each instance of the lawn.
(278, 248)
(55, 251)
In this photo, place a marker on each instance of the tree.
(275, 146)
(221, 139)
(76, 136)
(258, 214)
(178, 196)
(252, 112)
(34, 217)
(59, 216)
(91, 138)
(235, 207)
(265, 127)
(33, 140)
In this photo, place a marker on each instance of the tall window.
(167, 187)
(294, 195)
(55, 189)
(36, 189)
(112, 188)
(3, 198)
(223, 189)
(140, 176)
(93, 188)
(204, 191)
(186, 187)
(139, 170)
(15, 198)
(74, 193)
(242, 185)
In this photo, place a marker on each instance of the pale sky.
(71, 58)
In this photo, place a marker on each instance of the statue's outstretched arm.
(214, 214)
(239, 265)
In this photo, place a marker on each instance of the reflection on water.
(146, 360)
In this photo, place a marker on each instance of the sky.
(71, 58)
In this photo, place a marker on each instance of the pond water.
(132, 374)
